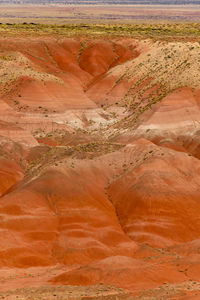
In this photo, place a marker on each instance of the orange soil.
(76, 209)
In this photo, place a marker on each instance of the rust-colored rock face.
(99, 168)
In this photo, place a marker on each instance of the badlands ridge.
(99, 168)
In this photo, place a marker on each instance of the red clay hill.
(99, 169)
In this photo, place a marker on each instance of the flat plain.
(99, 13)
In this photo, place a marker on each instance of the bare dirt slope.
(99, 168)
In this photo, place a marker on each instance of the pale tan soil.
(66, 293)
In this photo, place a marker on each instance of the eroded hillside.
(99, 168)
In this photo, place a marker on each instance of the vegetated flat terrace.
(99, 13)
(155, 31)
